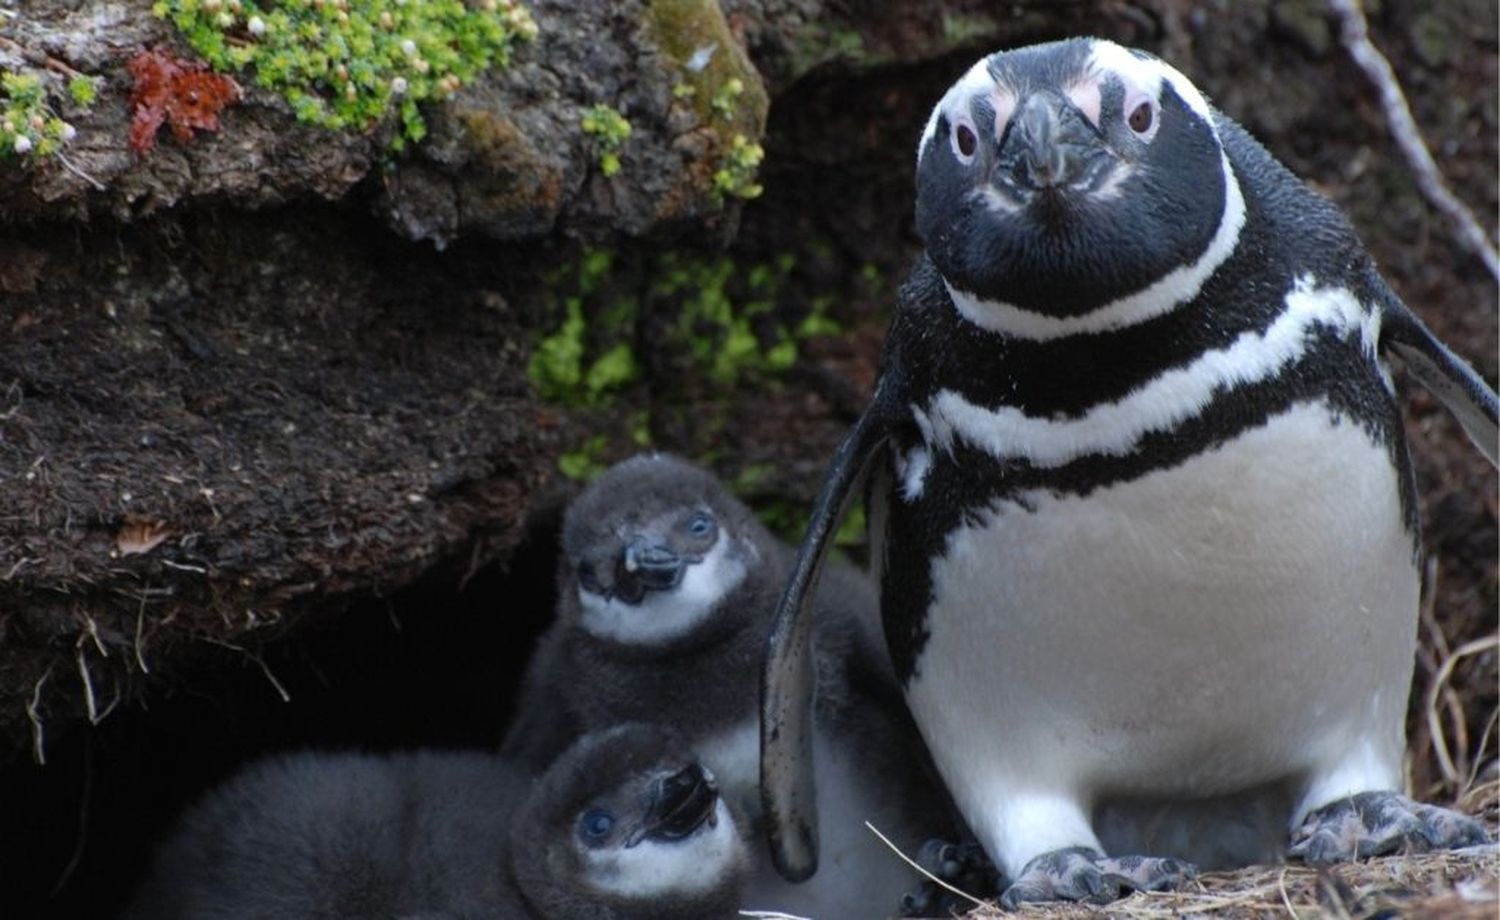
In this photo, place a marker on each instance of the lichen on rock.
(720, 85)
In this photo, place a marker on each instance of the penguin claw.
(1083, 874)
(1378, 824)
(961, 865)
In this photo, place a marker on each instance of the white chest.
(1232, 619)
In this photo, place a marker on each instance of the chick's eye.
(965, 139)
(595, 825)
(1141, 118)
(700, 524)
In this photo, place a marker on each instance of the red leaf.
(181, 93)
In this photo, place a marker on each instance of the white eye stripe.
(1107, 60)
(1146, 75)
(1005, 106)
(1086, 97)
(975, 82)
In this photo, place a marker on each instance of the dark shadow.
(434, 665)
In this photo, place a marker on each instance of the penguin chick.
(1143, 514)
(625, 824)
(666, 589)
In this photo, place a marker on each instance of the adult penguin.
(1142, 513)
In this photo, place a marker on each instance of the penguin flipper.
(787, 785)
(1452, 381)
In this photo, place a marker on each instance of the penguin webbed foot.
(1084, 874)
(1379, 824)
(964, 866)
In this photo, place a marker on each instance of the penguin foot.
(962, 865)
(1379, 824)
(1083, 874)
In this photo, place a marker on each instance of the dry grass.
(1459, 885)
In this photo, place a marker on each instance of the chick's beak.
(679, 805)
(655, 566)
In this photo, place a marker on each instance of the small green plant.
(563, 373)
(640, 428)
(788, 519)
(723, 320)
(853, 530)
(609, 129)
(587, 461)
(736, 176)
(83, 91)
(353, 63)
(28, 124)
(564, 367)
(727, 318)
(727, 97)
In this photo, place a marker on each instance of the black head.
(1059, 179)
(626, 823)
(652, 546)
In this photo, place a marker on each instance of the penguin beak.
(647, 566)
(1049, 145)
(678, 805)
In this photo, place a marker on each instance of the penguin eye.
(595, 825)
(586, 577)
(700, 524)
(965, 141)
(1141, 118)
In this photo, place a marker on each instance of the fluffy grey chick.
(625, 824)
(667, 586)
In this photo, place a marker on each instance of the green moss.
(563, 373)
(714, 70)
(960, 29)
(788, 520)
(853, 530)
(567, 367)
(720, 83)
(717, 321)
(510, 175)
(757, 484)
(609, 129)
(83, 91)
(587, 462)
(611, 370)
(727, 319)
(737, 174)
(751, 479)
(819, 43)
(354, 64)
(640, 428)
(726, 100)
(29, 127)
(556, 367)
